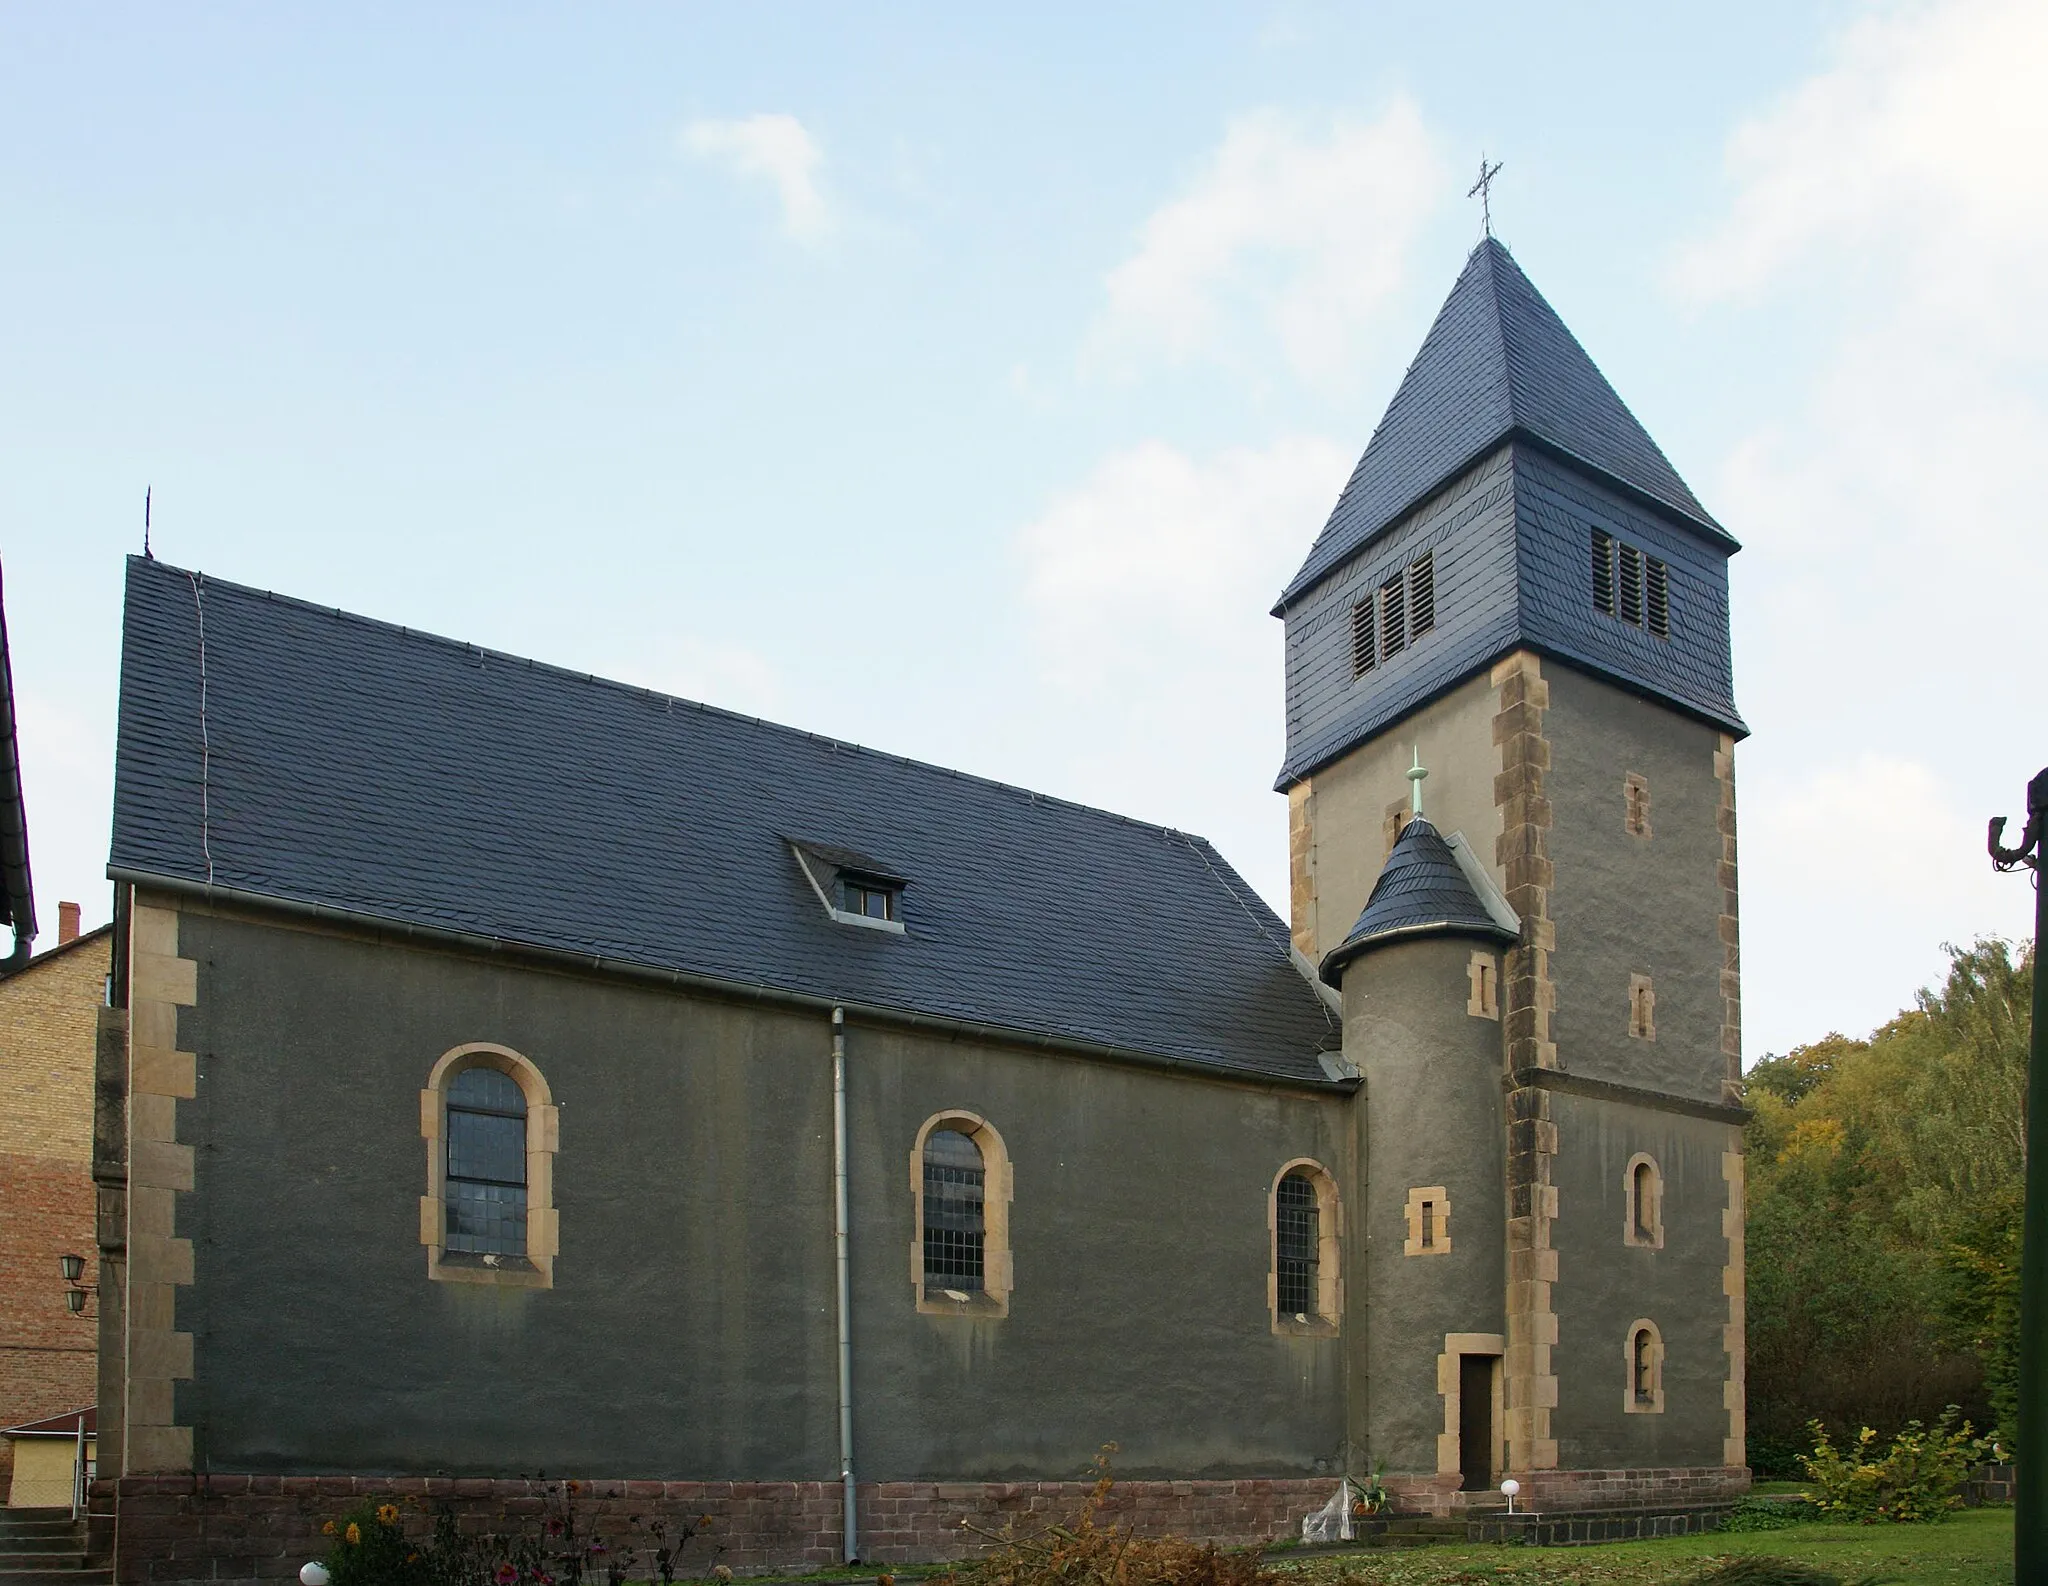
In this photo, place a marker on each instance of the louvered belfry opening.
(1657, 596)
(1393, 616)
(1421, 595)
(1603, 572)
(486, 1173)
(1630, 584)
(1365, 644)
(1297, 1233)
(954, 1229)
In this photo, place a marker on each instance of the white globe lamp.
(1510, 1487)
(314, 1574)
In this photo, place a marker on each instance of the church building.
(517, 1074)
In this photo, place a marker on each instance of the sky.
(967, 384)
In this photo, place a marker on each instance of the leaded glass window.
(486, 1178)
(1296, 1226)
(954, 1230)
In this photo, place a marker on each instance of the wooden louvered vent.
(1393, 617)
(1421, 595)
(1603, 572)
(1631, 586)
(1657, 596)
(1365, 651)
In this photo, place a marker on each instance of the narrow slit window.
(1603, 573)
(1657, 594)
(1297, 1226)
(955, 1231)
(1429, 1225)
(1364, 639)
(1645, 1196)
(1421, 595)
(1645, 1371)
(1393, 618)
(1631, 591)
(486, 1171)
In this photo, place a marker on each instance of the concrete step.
(70, 1539)
(81, 1576)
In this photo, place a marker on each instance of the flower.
(507, 1575)
(354, 1533)
(327, 1529)
(555, 1526)
(387, 1514)
(412, 1558)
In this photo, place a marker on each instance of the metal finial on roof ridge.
(1415, 775)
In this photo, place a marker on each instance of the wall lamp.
(73, 1268)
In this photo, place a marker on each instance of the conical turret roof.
(1422, 891)
(1497, 364)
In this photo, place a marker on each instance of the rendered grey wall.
(1604, 1284)
(1626, 905)
(691, 1330)
(1433, 1097)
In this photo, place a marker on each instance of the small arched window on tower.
(1305, 1284)
(1645, 1357)
(1643, 1195)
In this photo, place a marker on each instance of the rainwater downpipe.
(839, 1239)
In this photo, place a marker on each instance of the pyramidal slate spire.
(1498, 364)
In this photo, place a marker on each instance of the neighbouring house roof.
(1421, 891)
(1498, 364)
(349, 764)
(65, 1425)
(17, 891)
(98, 933)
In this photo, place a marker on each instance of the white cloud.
(1301, 230)
(1885, 497)
(1146, 588)
(775, 148)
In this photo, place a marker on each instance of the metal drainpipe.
(839, 1238)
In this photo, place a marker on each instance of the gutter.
(713, 985)
(840, 1241)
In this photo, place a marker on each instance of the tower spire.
(1415, 775)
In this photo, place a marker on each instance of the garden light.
(314, 1574)
(1511, 1487)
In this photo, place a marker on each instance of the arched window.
(1642, 1187)
(1304, 1288)
(960, 1257)
(486, 1178)
(1644, 1394)
(955, 1230)
(491, 1129)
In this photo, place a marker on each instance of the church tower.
(1517, 592)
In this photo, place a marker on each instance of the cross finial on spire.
(1483, 191)
(1415, 776)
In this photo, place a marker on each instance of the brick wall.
(48, 1025)
(262, 1528)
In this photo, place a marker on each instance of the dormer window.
(854, 889)
(874, 900)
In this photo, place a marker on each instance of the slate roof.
(355, 765)
(1421, 892)
(17, 889)
(1497, 364)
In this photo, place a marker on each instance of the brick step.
(73, 1557)
(81, 1576)
(64, 1539)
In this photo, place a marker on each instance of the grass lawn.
(1972, 1549)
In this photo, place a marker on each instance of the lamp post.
(73, 1268)
(2030, 1508)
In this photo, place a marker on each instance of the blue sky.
(968, 385)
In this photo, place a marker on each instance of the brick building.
(49, 1012)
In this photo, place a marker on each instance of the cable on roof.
(205, 743)
(1259, 925)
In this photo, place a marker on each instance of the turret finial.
(1415, 776)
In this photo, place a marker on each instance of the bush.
(1919, 1478)
(1764, 1514)
(1083, 1552)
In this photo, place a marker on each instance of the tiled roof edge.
(752, 991)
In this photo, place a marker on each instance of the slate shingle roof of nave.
(363, 767)
(1497, 363)
(1421, 891)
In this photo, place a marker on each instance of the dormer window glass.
(869, 898)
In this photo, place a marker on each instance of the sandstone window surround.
(1484, 973)
(1305, 1230)
(1642, 1008)
(1429, 1222)
(942, 1192)
(1642, 1193)
(534, 1265)
(1643, 1355)
(1635, 804)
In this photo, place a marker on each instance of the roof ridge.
(640, 690)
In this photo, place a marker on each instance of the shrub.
(1764, 1514)
(1083, 1552)
(1919, 1477)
